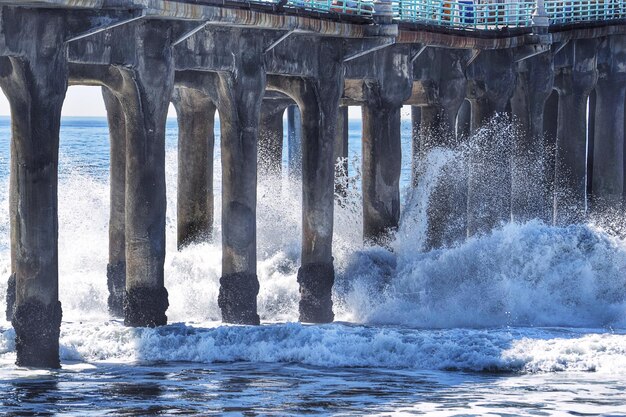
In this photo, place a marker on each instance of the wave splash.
(527, 275)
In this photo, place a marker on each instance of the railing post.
(540, 19)
(383, 11)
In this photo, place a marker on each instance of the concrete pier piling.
(145, 98)
(381, 145)
(607, 188)
(196, 142)
(240, 95)
(35, 86)
(574, 82)
(530, 194)
(491, 81)
(381, 171)
(116, 268)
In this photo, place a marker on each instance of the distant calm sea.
(527, 320)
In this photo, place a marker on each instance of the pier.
(556, 68)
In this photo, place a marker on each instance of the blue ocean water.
(529, 319)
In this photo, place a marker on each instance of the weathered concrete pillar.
(318, 100)
(550, 128)
(382, 157)
(607, 189)
(145, 96)
(294, 142)
(240, 97)
(491, 81)
(320, 107)
(382, 154)
(35, 86)
(271, 138)
(530, 195)
(416, 119)
(341, 150)
(574, 83)
(116, 269)
(196, 138)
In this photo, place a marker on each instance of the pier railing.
(474, 14)
(465, 13)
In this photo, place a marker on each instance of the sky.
(87, 101)
(79, 101)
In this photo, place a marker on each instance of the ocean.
(527, 320)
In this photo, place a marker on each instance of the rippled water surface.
(529, 319)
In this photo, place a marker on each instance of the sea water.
(529, 319)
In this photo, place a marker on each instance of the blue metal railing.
(573, 11)
(347, 7)
(465, 13)
(473, 14)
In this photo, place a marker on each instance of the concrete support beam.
(35, 86)
(574, 84)
(145, 94)
(341, 150)
(491, 80)
(240, 95)
(531, 196)
(382, 154)
(271, 138)
(294, 142)
(607, 189)
(116, 269)
(196, 138)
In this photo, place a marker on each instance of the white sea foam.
(518, 275)
(515, 349)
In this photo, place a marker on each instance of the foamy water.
(529, 317)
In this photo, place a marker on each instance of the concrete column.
(437, 127)
(381, 144)
(35, 86)
(531, 196)
(382, 159)
(447, 205)
(13, 194)
(416, 119)
(341, 151)
(318, 100)
(491, 81)
(116, 269)
(294, 142)
(574, 85)
(196, 138)
(145, 96)
(550, 127)
(607, 189)
(320, 107)
(240, 96)
(271, 138)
